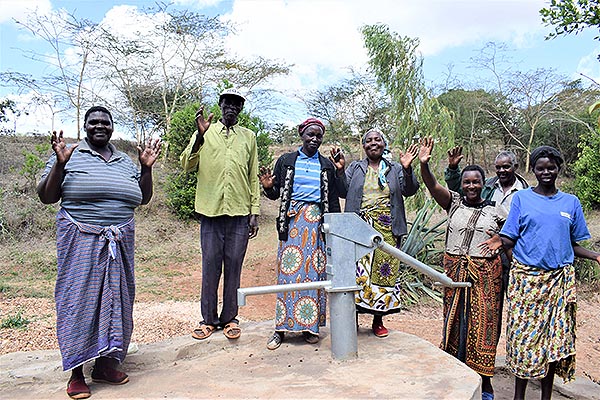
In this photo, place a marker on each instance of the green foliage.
(587, 170)
(34, 163)
(181, 194)
(6, 106)
(265, 156)
(15, 321)
(571, 16)
(586, 271)
(183, 126)
(398, 69)
(420, 243)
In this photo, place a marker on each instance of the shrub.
(33, 163)
(587, 171)
(183, 126)
(16, 321)
(265, 156)
(181, 193)
(420, 243)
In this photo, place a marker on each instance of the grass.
(167, 249)
(14, 321)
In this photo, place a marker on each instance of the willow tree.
(397, 66)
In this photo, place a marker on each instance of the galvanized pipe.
(288, 287)
(438, 277)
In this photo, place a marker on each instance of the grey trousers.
(223, 240)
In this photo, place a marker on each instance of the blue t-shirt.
(545, 228)
(307, 178)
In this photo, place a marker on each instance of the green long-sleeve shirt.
(227, 168)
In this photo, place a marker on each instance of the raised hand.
(407, 157)
(337, 158)
(202, 124)
(425, 149)
(60, 148)
(150, 152)
(266, 178)
(454, 157)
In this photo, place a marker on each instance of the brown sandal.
(203, 331)
(232, 330)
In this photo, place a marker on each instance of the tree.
(351, 107)
(398, 69)
(473, 123)
(413, 113)
(179, 58)
(71, 42)
(571, 16)
(7, 106)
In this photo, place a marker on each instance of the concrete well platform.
(401, 366)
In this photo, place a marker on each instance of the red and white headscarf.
(311, 121)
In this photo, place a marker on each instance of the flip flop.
(203, 331)
(232, 330)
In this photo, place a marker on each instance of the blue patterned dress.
(301, 258)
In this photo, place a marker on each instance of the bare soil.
(169, 286)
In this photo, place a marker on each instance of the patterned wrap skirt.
(541, 321)
(472, 316)
(378, 273)
(94, 291)
(301, 258)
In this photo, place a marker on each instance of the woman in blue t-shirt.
(542, 229)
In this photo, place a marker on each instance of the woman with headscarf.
(376, 190)
(307, 185)
(471, 315)
(542, 229)
(99, 188)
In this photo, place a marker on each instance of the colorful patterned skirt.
(472, 315)
(94, 291)
(301, 258)
(377, 273)
(541, 321)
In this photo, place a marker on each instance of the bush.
(183, 126)
(33, 163)
(181, 194)
(587, 171)
(265, 156)
(16, 321)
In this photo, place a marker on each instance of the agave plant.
(420, 243)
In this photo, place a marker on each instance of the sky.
(321, 38)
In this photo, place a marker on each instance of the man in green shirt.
(225, 157)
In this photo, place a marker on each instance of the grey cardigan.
(402, 182)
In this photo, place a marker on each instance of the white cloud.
(18, 9)
(197, 3)
(589, 66)
(322, 38)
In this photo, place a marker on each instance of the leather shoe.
(109, 375)
(78, 389)
(379, 330)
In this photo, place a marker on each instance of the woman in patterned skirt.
(376, 190)
(471, 315)
(542, 229)
(307, 185)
